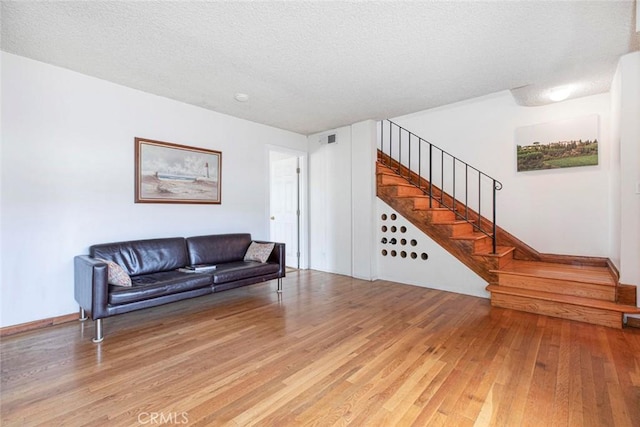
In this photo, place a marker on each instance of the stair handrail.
(495, 186)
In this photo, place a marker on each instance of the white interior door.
(284, 221)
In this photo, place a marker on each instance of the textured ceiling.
(309, 66)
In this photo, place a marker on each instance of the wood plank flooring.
(331, 350)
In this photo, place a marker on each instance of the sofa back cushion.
(144, 256)
(218, 248)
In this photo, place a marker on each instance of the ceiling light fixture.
(559, 93)
(241, 97)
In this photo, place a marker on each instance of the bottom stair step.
(597, 312)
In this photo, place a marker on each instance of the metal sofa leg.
(83, 315)
(99, 335)
(280, 284)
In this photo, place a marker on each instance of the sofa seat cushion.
(155, 285)
(239, 270)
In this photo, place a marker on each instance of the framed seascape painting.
(560, 144)
(173, 173)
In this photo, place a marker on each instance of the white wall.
(363, 197)
(440, 270)
(628, 95)
(1, 186)
(330, 202)
(614, 178)
(67, 177)
(537, 207)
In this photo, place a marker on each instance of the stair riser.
(383, 169)
(402, 191)
(457, 229)
(627, 294)
(399, 191)
(558, 286)
(478, 245)
(452, 230)
(404, 204)
(482, 245)
(391, 179)
(437, 216)
(590, 315)
(496, 263)
(394, 178)
(505, 260)
(422, 203)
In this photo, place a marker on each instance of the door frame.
(303, 200)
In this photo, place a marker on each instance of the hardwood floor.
(331, 350)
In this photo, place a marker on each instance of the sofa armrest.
(277, 256)
(91, 287)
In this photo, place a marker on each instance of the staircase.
(584, 289)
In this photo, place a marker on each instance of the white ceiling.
(310, 66)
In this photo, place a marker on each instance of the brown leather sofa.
(153, 268)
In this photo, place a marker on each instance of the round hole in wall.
(424, 256)
(403, 241)
(394, 253)
(384, 240)
(384, 252)
(393, 217)
(393, 241)
(403, 229)
(403, 254)
(394, 229)
(384, 217)
(414, 255)
(384, 228)
(414, 242)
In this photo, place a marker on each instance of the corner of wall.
(363, 176)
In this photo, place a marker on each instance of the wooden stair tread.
(434, 209)
(384, 171)
(473, 236)
(416, 196)
(421, 196)
(566, 299)
(500, 252)
(576, 273)
(451, 222)
(399, 185)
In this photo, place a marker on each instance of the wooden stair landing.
(576, 280)
(588, 310)
(575, 288)
(576, 292)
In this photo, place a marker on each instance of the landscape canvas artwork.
(173, 173)
(560, 144)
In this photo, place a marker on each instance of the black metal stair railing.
(451, 182)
